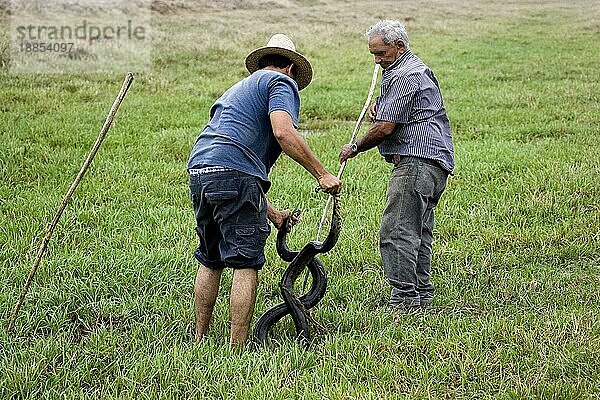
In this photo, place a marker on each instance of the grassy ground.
(517, 256)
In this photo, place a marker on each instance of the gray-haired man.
(412, 131)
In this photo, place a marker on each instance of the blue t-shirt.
(239, 134)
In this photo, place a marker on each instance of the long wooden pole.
(42, 249)
(352, 138)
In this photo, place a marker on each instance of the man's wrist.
(354, 148)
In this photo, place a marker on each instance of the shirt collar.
(400, 60)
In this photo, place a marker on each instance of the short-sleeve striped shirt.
(411, 98)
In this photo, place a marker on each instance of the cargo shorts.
(230, 208)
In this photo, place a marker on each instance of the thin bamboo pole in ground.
(42, 249)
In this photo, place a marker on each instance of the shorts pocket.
(246, 241)
(250, 240)
(215, 197)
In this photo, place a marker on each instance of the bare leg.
(206, 289)
(241, 304)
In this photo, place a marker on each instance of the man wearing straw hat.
(250, 125)
(412, 131)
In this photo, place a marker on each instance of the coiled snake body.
(296, 306)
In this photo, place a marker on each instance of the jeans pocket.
(424, 183)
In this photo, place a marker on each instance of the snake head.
(296, 213)
(290, 221)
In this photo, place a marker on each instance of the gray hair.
(393, 32)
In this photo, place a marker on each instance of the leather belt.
(396, 158)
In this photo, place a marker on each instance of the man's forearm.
(294, 146)
(271, 211)
(375, 135)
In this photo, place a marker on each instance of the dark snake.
(298, 306)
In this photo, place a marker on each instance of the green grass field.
(517, 251)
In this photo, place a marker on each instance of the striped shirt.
(411, 98)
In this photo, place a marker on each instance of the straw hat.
(282, 45)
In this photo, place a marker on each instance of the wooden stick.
(84, 167)
(352, 138)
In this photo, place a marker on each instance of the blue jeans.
(406, 233)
